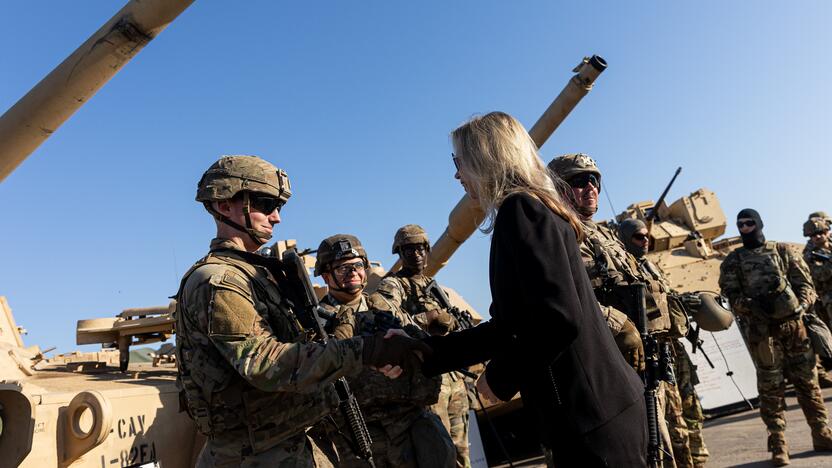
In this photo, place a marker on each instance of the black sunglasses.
(581, 180)
(456, 161)
(265, 204)
(640, 237)
(750, 223)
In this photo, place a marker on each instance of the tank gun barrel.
(65, 89)
(654, 212)
(467, 214)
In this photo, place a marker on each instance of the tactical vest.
(372, 389)
(763, 276)
(610, 265)
(415, 300)
(223, 404)
(821, 273)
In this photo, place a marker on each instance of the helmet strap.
(256, 236)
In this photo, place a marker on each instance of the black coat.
(548, 340)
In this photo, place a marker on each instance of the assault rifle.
(463, 317)
(307, 308)
(651, 375)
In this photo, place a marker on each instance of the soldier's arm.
(614, 317)
(244, 338)
(392, 293)
(799, 276)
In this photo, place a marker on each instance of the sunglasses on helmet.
(581, 180)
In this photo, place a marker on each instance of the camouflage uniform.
(767, 286)
(686, 380)
(404, 432)
(609, 265)
(407, 294)
(251, 382)
(250, 379)
(821, 271)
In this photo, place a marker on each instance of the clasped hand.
(394, 351)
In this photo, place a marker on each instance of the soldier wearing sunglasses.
(683, 413)
(252, 380)
(407, 291)
(611, 269)
(404, 432)
(770, 288)
(818, 256)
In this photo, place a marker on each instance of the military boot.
(779, 449)
(822, 439)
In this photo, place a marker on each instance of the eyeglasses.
(749, 223)
(265, 204)
(640, 237)
(411, 249)
(347, 268)
(456, 161)
(818, 233)
(581, 180)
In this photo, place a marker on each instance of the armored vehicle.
(100, 409)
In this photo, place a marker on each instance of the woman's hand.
(485, 391)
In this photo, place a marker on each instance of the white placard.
(476, 451)
(716, 389)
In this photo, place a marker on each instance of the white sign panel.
(727, 351)
(476, 451)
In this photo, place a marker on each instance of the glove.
(441, 323)
(397, 350)
(630, 345)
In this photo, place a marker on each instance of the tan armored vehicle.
(99, 409)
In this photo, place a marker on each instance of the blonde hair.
(502, 159)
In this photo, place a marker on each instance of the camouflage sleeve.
(392, 295)
(798, 274)
(345, 322)
(244, 338)
(821, 270)
(729, 281)
(379, 301)
(614, 317)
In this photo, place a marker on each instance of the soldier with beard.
(407, 291)
(684, 413)
(769, 287)
(404, 432)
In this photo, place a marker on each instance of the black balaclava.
(754, 238)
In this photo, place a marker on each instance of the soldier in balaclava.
(683, 413)
(769, 288)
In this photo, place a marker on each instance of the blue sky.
(355, 101)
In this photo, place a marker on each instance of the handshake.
(393, 351)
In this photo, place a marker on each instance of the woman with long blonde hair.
(546, 338)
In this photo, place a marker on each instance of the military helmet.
(409, 234)
(712, 315)
(569, 165)
(814, 225)
(338, 247)
(233, 174)
(819, 214)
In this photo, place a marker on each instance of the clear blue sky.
(356, 99)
